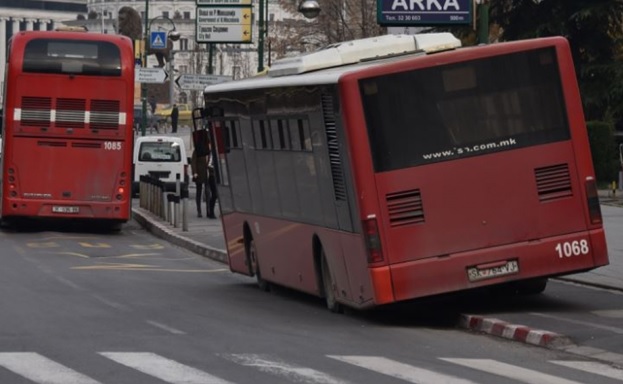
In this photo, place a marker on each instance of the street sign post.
(150, 75)
(199, 82)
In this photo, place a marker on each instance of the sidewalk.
(205, 237)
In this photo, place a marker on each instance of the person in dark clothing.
(175, 113)
(203, 175)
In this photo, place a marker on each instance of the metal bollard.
(184, 197)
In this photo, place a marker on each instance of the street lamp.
(309, 8)
(172, 35)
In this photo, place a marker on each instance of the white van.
(163, 157)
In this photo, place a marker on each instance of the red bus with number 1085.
(67, 140)
(398, 167)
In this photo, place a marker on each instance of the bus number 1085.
(112, 145)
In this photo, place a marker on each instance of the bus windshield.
(91, 58)
(465, 109)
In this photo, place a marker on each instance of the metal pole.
(143, 85)
(171, 77)
(260, 43)
(483, 24)
(210, 58)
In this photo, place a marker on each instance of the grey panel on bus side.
(291, 183)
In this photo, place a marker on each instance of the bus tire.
(255, 267)
(328, 287)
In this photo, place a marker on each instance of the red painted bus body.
(68, 106)
(409, 176)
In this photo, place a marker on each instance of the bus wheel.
(255, 267)
(329, 287)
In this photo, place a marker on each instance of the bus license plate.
(476, 274)
(63, 209)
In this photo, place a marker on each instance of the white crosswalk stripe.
(593, 367)
(41, 370)
(293, 373)
(399, 370)
(520, 374)
(163, 368)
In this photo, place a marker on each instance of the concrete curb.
(162, 230)
(521, 333)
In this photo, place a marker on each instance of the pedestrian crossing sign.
(158, 40)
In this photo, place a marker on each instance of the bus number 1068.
(572, 248)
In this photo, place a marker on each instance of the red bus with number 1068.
(398, 167)
(68, 106)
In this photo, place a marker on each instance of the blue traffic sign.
(158, 40)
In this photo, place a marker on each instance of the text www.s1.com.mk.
(469, 149)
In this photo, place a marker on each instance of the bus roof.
(327, 65)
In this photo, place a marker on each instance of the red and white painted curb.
(521, 333)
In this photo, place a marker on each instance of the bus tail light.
(592, 199)
(373, 240)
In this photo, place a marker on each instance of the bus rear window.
(80, 57)
(464, 109)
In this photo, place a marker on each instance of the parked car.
(164, 114)
(162, 157)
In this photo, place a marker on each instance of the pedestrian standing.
(199, 169)
(211, 186)
(175, 113)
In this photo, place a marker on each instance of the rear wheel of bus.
(328, 287)
(252, 260)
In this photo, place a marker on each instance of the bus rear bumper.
(554, 256)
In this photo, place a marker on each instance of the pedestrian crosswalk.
(39, 369)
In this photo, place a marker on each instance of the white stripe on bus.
(122, 117)
(41, 370)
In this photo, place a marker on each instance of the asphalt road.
(86, 308)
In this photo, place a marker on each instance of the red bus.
(399, 167)
(67, 136)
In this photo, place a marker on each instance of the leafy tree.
(594, 29)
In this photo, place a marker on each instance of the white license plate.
(64, 209)
(475, 273)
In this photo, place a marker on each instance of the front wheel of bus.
(255, 267)
(329, 287)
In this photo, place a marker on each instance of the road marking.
(41, 370)
(163, 368)
(586, 323)
(74, 254)
(612, 313)
(510, 371)
(399, 370)
(147, 246)
(290, 372)
(166, 327)
(43, 244)
(144, 267)
(593, 367)
(94, 245)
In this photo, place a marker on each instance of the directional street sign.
(223, 24)
(158, 40)
(223, 2)
(199, 82)
(150, 75)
